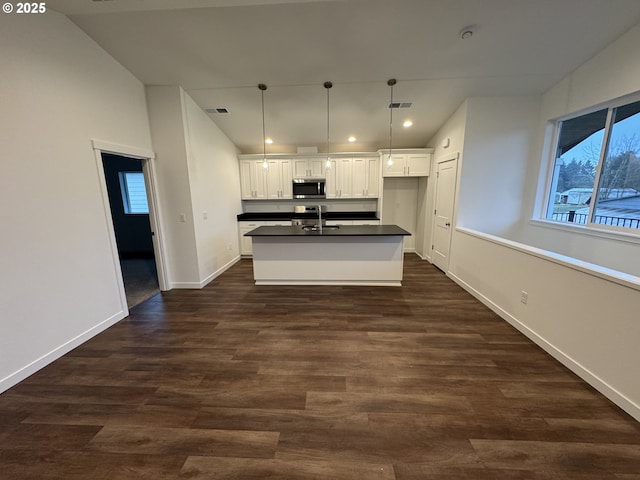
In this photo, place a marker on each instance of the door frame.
(455, 156)
(148, 166)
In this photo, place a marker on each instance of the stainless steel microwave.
(309, 188)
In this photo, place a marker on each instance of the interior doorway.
(129, 206)
(446, 173)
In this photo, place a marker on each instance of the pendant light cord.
(391, 82)
(265, 165)
(328, 85)
(262, 88)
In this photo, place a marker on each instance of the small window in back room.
(134, 193)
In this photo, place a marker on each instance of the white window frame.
(590, 227)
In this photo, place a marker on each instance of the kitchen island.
(344, 255)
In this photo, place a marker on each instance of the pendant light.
(265, 164)
(391, 82)
(327, 86)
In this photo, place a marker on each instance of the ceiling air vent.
(217, 110)
(400, 105)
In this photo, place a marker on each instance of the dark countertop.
(276, 216)
(342, 231)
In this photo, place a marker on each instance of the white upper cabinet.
(418, 164)
(279, 179)
(348, 175)
(253, 182)
(339, 178)
(413, 163)
(308, 167)
(365, 177)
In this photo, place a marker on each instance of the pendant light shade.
(327, 86)
(265, 164)
(391, 82)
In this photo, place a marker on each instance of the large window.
(134, 193)
(596, 174)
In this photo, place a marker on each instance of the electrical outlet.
(524, 296)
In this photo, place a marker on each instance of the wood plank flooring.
(242, 382)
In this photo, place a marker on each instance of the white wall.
(214, 178)
(58, 282)
(198, 174)
(169, 141)
(400, 206)
(453, 130)
(586, 320)
(613, 73)
(498, 138)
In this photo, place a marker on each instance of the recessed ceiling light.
(268, 141)
(407, 123)
(352, 139)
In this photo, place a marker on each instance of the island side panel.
(326, 260)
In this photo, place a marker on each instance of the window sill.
(589, 231)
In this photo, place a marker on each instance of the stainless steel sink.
(315, 228)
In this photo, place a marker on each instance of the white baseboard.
(58, 352)
(424, 257)
(209, 278)
(596, 382)
(220, 271)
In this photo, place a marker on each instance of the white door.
(443, 215)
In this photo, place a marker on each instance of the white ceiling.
(220, 50)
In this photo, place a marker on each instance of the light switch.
(205, 215)
(182, 217)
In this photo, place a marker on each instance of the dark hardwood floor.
(242, 382)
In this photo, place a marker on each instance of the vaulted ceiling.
(220, 50)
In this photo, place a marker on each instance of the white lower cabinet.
(339, 222)
(353, 222)
(366, 222)
(245, 242)
(246, 247)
